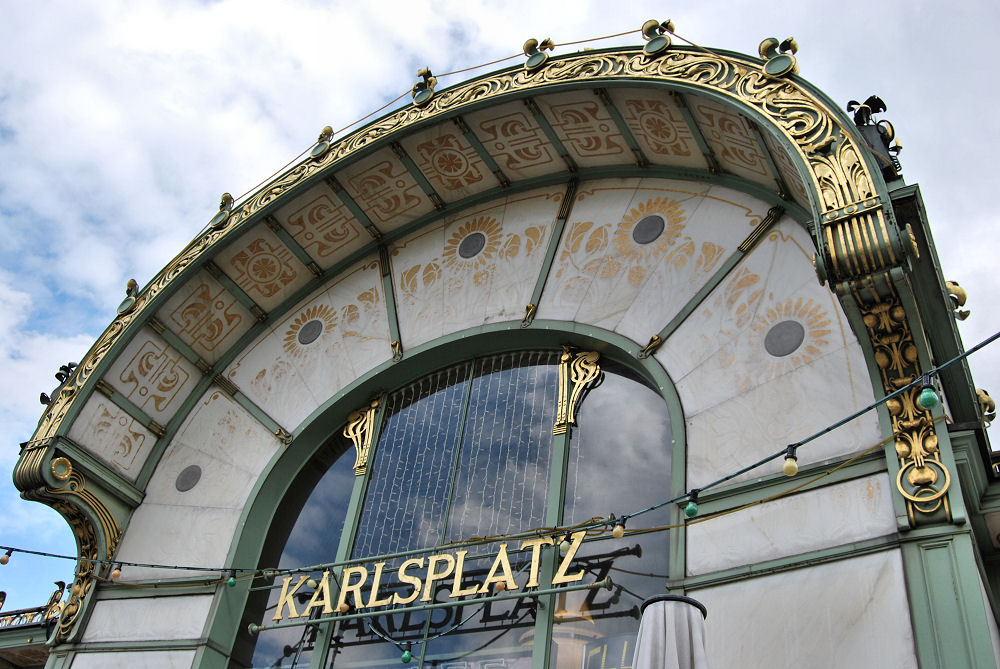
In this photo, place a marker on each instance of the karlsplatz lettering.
(419, 578)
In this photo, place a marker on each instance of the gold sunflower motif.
(628, 247)
(473, 247)
(793, 333)
(310, 324)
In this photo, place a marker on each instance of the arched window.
(476, 450)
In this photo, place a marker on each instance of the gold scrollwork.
(923, 480)
(578, 370)
(360, 429)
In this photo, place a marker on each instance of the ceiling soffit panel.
(586, 129)
(732, 140)
(382, 186)
(789, 175)
(657, 123)
(449, 162)
(323, 226)
(263, 267)
(510, 134)
(111, 435)
(206, 316)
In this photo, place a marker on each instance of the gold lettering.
(433, 576)
(536, 549)
(456, 586)
(414, 581)
(507, 577)
(561, 575)
(322, 589)
(286, 598)
(355, 588)
(373, 599)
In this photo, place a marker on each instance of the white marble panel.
(603, 276)
(588, 132)
(152, 659)
(850, 613)
(323, 226)
(991, 622)
(224, 430)
(385, 190)
(812, 520)
(786, 168)
(439, 291)
(266, 269)
(656, 122)
(288, 372)
(219, 484)
(176, 535)
(163, 619)
(206, 316)
(517, 143)
(153, 375)
(449, 162)
(732, 140)
(741, 401)
(112, 436)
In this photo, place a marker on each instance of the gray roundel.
(188, 478)
(648, 229)
(309, 332)
(784, 338)
(472, 245)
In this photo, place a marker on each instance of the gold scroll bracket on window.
(360, 429)
(578, 371)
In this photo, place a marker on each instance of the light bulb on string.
(791, 466)
(407, 654)
(564, 545)
(231, 582)
(928, 398)
(618, 531)
(312, 584)
(116, 572)
(5, 558)
(691, 510)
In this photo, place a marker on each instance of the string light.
(619, 529)
(5, 558)
(791, 466)
(928, 398)
(691, 510)
(232, 579)
(116, 572)
(407, 654)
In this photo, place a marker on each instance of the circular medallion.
(61, 469)
(648, 229)
(779, 65)
(219, 219)
(472, 245)
(188, 478)
(536, 60)
(784, 338)
(422, 97)
(450, 162)
(263, 267)
(656, 45)
(126, 306)
(310, 332)
(319, 149)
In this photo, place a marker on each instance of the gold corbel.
(655, 342)
(529, 315)
(360, 429)
(578, 370)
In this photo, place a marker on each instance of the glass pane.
(313, 540)
(407, 494)
(619, 459)
(501, 484)
(596, 629)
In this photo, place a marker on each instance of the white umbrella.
(671, 634)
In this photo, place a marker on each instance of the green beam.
(744, 249)
(415, 172)
(292, 245)
(695, 129)
(550, 253)
(550, 134)
(484, 155)
(259, 414)
(178, 344)
(640, 158)
(241, 295)
(111, 480)
(352, 206)
(389, 291)
(769, 159)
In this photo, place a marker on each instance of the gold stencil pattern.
(263, 268)
(207, 317)
(322, 226)
(450, 163)
(153, 376)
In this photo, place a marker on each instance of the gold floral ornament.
(474, 247)
(660, 214)
(308, 326)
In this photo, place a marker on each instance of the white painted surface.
(163, 619)
(289, 379)
(112, 436)
(831, 516)
(166, 659)
(851, 613)
(153, 376)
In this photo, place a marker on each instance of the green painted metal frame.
(241, 295)
(640, 158)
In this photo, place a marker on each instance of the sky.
(121, 123)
